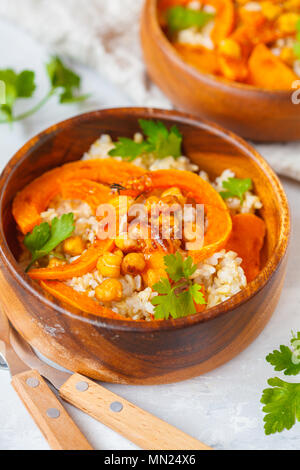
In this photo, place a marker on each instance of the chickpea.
(270, 11)
(287, 55)
(74, 246)
(287, 22)
(109, 265)
(134, 263)
(230, 48)
(176, 193)
(126, 244)
(109, 290)
(55, 262)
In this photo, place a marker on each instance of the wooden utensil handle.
(140, 427)
(48, 413)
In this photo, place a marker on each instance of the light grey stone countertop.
(221, 408)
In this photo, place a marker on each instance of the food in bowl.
(252, 42)
(197, 244)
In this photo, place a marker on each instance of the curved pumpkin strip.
(199, 57)
(84, 264)
(36, 196)
(219, 221)
(81, 301)
(247, 239)
(91, 192)
(224, 21)
(268, 71)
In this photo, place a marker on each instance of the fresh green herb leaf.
(20, 85)
(44, 239)
(282, 401)
(178, 268)
(236, 187)
(286, 358)
(39, 236)
(282, 405)
(65, 80)
(179, 18)
(128, 149)
(160, 141)
(179, 298)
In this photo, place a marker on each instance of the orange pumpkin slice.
(86, 263)
(81, 301)
(219, 222)
(247, 239)
(268, 71)
(36, 196)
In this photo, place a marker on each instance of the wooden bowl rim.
(207, 78)
(141, 326)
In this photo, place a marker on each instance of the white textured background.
(221, 408)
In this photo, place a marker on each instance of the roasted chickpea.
(55, 262)
(175, 192)
(74, 246)
(287, 22)
(126, 244)
(109, 265)
(133, 263)
(230, 48)
(109, 290)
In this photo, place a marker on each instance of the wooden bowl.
(142, 352)
(254, 113)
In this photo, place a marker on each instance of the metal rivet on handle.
(32, 382)
(116, 407)
(82, 386)
(53, 413)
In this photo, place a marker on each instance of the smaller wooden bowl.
(254, 113)
(141, 352)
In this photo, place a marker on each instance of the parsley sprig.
(45, 238)
(63, 82)
(236, 187)
(282, 400)
(179, 18)
(297, 44)
(177, 298)
(159, 140)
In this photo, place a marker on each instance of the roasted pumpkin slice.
(36, 196)
(247, 239)
(79, 300)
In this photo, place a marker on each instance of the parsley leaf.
(20, 85)
(179, 18)
(64, 80)
(44, 239)
(159, 140)
(282, 401)
(179, 298)
(236, 187)
(282, 405)
(128, 149)
(286, 359)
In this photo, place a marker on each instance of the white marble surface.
(221, 408)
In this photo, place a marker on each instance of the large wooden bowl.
(254, 113)
(129, 352)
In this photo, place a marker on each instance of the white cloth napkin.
(104, 34)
